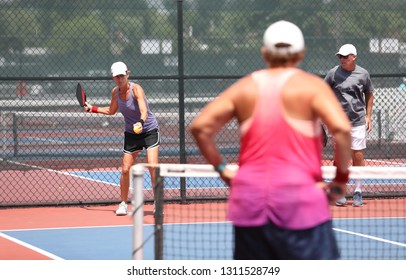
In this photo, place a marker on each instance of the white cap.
(283, 32)
(118, 68)
(346, 50)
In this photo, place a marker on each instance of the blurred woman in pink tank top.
(279, 204)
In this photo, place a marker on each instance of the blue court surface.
(366, 238)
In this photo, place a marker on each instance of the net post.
(387, 129)
(4, 133)
(137, 201)
(158, 215)
(15, 139)
(379, 121)
(183, 189)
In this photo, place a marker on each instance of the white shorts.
(358, 138)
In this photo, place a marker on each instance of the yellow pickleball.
(137, 129)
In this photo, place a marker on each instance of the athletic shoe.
(357, 199)
(122, 209)
(341, 202)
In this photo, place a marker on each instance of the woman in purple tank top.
(141, 127)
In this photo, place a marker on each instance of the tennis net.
(195, 228)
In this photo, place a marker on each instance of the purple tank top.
(131, 113)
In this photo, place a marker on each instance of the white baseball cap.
(283, 32)
(118, 68)
(346, 50)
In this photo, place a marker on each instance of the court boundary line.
(66, 173)
(370, 237)
(31, 247)
(148, 188)
(57, 228)
(91, 179)
(369, 218)
(110, 226)
(400, 164)
(169, 223)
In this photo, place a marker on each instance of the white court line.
(386, 162)
(31, 247)
(48, 140)
(371, 218)
(91, 179)
(59, 228)
(61, 172)
(38, 167)
(371, 237)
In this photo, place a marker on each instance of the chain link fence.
(183, 53)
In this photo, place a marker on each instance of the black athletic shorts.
(138, 142)
(269, 242)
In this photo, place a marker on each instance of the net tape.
(328, 172)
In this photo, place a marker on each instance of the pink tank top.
(279, 165)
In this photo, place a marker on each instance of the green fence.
(183, 53)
